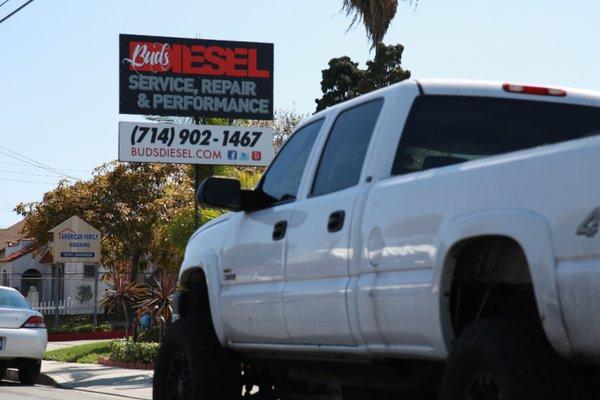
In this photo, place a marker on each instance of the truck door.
(252, 259)
(317, 262)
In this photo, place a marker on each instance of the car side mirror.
(220, 192)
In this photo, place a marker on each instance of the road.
(15, 391)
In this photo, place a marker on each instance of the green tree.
(121, 292)
(157, 302)
(170, 239)
(144, 211)
(124, 201)
(340, 82)
(344, 80)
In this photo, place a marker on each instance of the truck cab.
(402, 230)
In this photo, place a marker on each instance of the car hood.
(14, 317)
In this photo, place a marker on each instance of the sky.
(59, 62)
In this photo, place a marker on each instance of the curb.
(107, 362)
(13, 375)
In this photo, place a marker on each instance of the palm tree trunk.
(124, 305)
(135, 264)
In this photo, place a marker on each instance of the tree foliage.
(157, 301)
(124, 201)
(145, 212)
(344, 80)
(376, 15)
(121, 292)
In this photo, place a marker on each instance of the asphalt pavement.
(15, 391)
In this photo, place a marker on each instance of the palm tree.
(121, 292)
(158, 304)
(376, 15)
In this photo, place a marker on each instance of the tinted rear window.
(12, 299)
(446, 130)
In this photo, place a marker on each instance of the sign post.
(74, 241)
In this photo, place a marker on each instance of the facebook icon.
(232, 155)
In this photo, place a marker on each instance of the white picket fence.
(65, 307)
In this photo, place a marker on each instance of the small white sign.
(75, 240)
(195, 144)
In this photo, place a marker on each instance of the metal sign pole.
(197, 121)
(196, 184)
(96, 265)
(55, 294)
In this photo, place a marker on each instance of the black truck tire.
(29, 373)
(192, 364)
(508, 359)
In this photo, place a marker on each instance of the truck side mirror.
(220, 192)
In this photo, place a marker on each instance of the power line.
(16, 11)
(58, 169)
(31, 161)
(6, 171)
(4, 2)
(25, 181)
(32, 164)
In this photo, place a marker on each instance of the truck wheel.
(192, 364)
(507, 360)
(30, 372)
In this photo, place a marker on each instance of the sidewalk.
(129, 383)
(60, 345)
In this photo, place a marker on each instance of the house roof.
(47, 258)
(20, 253)
(11, 234)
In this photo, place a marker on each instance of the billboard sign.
(195, 77)
(74, 241)
(195, 144)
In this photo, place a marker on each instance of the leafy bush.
(84, 293)
(84, 323)
(133, 352)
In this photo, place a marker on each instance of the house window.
(89, 271)
(5, 281)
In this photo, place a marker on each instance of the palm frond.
(376, 15)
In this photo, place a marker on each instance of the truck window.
(342, 159)
(446, 130)
(282, 179)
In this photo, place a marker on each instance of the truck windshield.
(446, 130)
(12, 299)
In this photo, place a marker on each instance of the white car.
(23, 336)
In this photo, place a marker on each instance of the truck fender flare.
(532, 233)
(208, 263)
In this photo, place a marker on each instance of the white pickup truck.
(429, 232)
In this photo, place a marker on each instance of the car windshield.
(12, 299)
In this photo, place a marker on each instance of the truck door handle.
(279, 230)
(336, 221)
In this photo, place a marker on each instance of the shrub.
(133, 352)
(84, 293)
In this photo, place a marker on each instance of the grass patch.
(83, 353)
